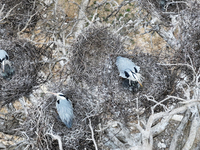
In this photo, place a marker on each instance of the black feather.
(62, 95)
(135, 70)
(58, 101)
(133, 74)
(126, 74)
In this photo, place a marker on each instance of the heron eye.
(58, 101)
(126, 74)
(135, 70)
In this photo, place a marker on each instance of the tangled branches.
(17, 16)
(26, 59)
(109, 113)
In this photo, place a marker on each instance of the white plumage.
(127, 69)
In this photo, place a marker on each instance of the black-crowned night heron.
(7, 70)
(65, 109)
(127, 69)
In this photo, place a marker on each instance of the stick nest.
(96, 79)
(26, 61)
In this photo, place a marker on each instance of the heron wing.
(65, 111)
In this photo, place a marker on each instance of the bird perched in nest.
(7, 69)
(64, 109)
(128, 70)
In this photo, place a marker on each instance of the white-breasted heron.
(64, 109)
(7, 70)
(127, 69)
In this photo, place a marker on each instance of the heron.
(7, 69)
(64, 109)
(128, 70)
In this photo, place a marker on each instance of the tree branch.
(81, 16)
(92, 132)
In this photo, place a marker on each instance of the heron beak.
(140, 83)
(138, 78)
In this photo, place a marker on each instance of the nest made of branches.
(26, 59)
(97, 92)
(96, 79)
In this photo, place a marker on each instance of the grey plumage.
(65, 109)
(6, 67)
(127, 69)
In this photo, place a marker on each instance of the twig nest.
(26, 61)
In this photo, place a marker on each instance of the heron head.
(59, 96)
(133, 76)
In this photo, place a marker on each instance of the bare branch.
(179, 64)
(58, 138)
(169, 37)
(193, 129)
(81, 16)
(92, 132)
(179, 130)
(113, 13)
(27, 23)
(8, 13)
